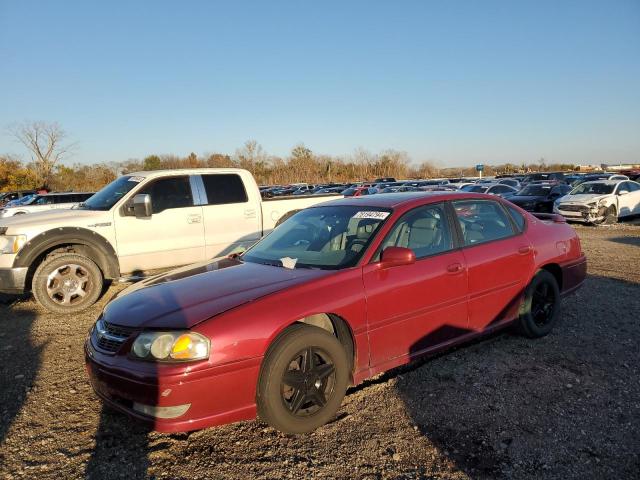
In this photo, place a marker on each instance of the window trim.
(514, 229)
(377, 254)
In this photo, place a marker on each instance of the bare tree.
(45, 143)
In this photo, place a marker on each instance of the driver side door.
(414, 308)
(173, 235)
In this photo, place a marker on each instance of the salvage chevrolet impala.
(336, 294)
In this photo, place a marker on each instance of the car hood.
(51, 218)
(583, 198)
(187, 296)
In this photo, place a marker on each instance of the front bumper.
(13, 280)
(217, 396)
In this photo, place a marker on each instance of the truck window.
(170, 192)
(223, 189)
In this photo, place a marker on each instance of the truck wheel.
(541, 307)
(67, 283)
(303, 380)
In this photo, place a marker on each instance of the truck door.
(231, 220)
(172, 236)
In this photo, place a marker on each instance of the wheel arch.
(71, 239)
(332, 323)
(555, 270)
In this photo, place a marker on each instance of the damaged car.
(600, 202)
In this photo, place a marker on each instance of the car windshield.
(349, 191)
(109, 195)
(535, 190)
(593, 188)
(474, 188)
(328, 238)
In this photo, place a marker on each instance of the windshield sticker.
(135, 179)
(372, 214)
(288, 262)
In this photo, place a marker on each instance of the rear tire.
(540, 310)
(303, 380)
(67, 283)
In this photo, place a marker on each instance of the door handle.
(454, 268)
(250, 213)
(525, 249)
(194, 218)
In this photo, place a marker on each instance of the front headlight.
(12, 243)
(171, 346)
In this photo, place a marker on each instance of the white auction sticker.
(135, 179)
(371, 214)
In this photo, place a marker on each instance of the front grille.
(572, 208)
(109, 337)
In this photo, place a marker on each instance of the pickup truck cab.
(139, 222)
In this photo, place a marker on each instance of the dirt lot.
(565, 406)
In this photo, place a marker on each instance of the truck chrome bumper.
(12, 280)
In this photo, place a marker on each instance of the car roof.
(606, 182)
(49, 194)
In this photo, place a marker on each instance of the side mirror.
(623, 192)
(396, 256)
(142, 205)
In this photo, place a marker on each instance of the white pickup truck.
(140, 222)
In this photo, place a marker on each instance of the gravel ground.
(565, 406)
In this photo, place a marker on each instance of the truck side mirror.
(142, 205)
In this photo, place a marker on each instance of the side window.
(518, 218)
(223, 189)
(623, 187)
(170, 192)
(424, 230)
(482, 221)
(633, 186)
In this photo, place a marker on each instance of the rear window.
(518, 218)
(224, 189)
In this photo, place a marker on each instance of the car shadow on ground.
(20, 361)
(119, 440)
(507, 406)
(635, 241)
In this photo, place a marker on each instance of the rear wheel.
(67, 283)
(541, 307)
(303, 380)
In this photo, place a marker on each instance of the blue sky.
(454, 82)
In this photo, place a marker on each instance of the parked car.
(139, 222)
(19, 201)
(337, 294)
(537, 197)
(6, 197)
(359, 191)
(45, 202)
(512, 182)
(558, 177)
(602, 201)
(592, 177)
(490, 188)
(384, 180)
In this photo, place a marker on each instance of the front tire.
(303, 380)
(67, 283)
(540, 310)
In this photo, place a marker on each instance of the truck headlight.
(177, 346)
(12, 243)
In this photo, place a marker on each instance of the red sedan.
(336, 294)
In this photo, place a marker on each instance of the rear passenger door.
(499, 260)
(231, 222)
